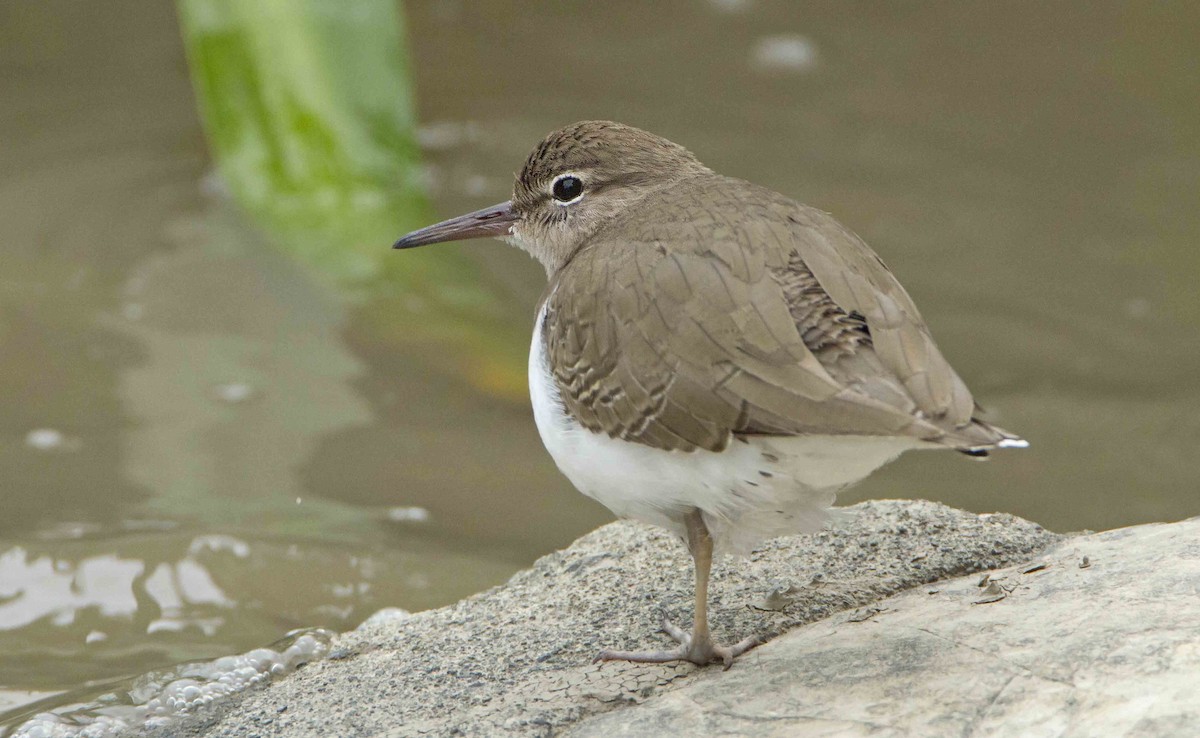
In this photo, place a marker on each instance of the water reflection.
(36, 588)
(111, 588)
(243, 371)
(163, 597)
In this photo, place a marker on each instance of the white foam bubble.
(158, 696)
(408, 515)
(44, 439)
(788, 53)
(234, 392)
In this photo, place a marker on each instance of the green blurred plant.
(308, 108)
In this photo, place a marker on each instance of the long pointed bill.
(493, 222)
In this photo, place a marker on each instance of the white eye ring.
(555, 195)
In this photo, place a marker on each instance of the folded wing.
(755, 315)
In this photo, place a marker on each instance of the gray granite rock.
(1099, 637)
(516, 660)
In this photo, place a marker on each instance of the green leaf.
(308, 109)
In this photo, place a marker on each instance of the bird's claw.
(701, 653)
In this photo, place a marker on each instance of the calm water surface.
(200, 447)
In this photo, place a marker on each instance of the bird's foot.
(700, 651)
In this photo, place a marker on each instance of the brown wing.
(719, 320)
(856, 279)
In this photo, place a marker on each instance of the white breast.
(755, 489)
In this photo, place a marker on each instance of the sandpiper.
(711, 356)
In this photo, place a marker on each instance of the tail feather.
(978, 437)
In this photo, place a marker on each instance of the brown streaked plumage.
(711, 356)
(788, 324)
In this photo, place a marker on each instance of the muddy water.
(200, 448)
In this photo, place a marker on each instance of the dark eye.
(567, 188)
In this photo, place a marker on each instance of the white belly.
(764, 487)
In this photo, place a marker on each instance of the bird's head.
(577, 180)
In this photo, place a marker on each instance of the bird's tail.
(978, 437)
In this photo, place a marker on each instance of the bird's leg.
(696, 647)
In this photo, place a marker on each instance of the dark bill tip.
(492, 222)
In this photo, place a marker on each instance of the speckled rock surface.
(516, 660)
(1103, 646)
